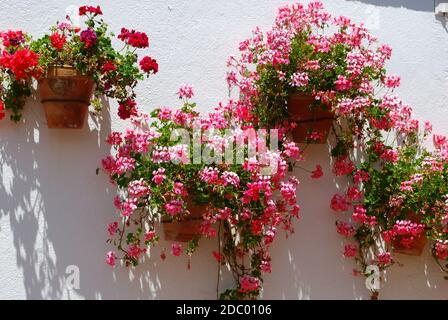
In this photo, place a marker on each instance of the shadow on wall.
(48, 180)
(58, 209)
(418, 5)
(300, 263)
(302, 260)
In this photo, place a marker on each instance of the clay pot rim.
(314, 120)
(314, 106)
(301, 94)
(173, 220)
(52, 72)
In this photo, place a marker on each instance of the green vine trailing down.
(397, 191)
(89, 50)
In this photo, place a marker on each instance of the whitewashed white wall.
(54, 209)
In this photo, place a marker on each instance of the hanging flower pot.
(186, 229)
(415, 249)
(411, 246)
(313, 124)
(65, 95)
(312, 131)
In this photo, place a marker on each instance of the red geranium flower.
(58, 40)
(147, 64)
(2, 110)
(316, 174)
(89, 9)
(127, 108)
(89, 37)
(12, 38)
(134, 38)
(218, 256)
(109, 66)
(22, 63)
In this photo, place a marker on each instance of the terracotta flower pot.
(65, 95)
(320, 128)
(187, 229)
(418, 244)
(416, 249)
(316, 120)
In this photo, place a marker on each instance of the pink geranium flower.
(185, 91)
(317, 173)
(176, 249)
(110, 258)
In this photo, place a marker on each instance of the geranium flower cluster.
(337, 67)
(89, 50)
(376, 142)
(134, 38)
(18, 67)
(85, 10)
(423, 190)
(405, 232)
(249, 204)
